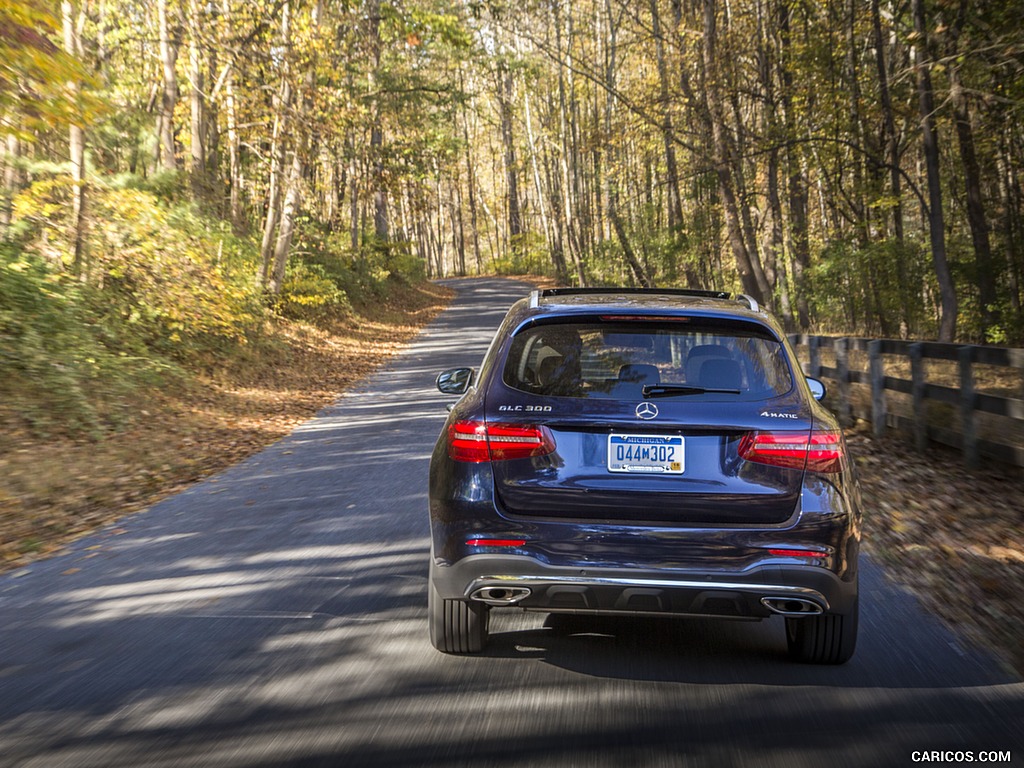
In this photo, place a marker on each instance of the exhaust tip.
(791, 606)
(500, 595)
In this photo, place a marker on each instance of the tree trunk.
(353, 203)
(168, 59)
(515, 221)
(975, 204)
(891, 140)
(470, 184)
(1012, 228)
(458, 229)
(569, 165)
(283, 242)
(976, 218)
(674, 206)
(722, 160)
(277, 155)
(796, 183)
(612, 169)
(776, 241)
(380, 197)
(889, 134)
(234, 158)
(475, 233)
(297, 169)
(856, 128)
(437, 234)
(936, 221)
(550, 229)
(76, 141)
(197, 101)
(11, 181)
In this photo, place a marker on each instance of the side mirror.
(817, 388)
(455, 381)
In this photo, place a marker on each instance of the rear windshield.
(616, 360)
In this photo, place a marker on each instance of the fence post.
(917, 391)
(877, 373)
(814, 354)
(967, 419)
(843, 376)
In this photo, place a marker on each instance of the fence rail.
(965, 398)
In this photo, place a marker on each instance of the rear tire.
(830, 638)
(456, 626)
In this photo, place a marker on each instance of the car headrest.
(719, 373)
(640, 373)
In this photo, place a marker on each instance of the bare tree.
(930, 148)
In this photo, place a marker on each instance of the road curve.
(274, 615)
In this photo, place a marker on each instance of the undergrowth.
(161, 291)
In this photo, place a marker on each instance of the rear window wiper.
(671, 390)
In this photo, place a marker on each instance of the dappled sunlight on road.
(369, 690)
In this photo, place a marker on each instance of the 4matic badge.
(774, 415)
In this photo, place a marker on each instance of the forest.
(174, 172)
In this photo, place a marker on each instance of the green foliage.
(167, 187)
(164, 273)
(308, 292)
(883, 287)
(58, 367)
(324, 272)
(527, 255)
(402, 264)
(161, 286)
(367, 272)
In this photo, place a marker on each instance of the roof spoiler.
(536, 296)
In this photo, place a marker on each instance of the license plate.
(647, 454)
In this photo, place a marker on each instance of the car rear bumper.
(522, 582)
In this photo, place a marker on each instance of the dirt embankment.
(953, 536)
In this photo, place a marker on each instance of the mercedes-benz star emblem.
(646, 411)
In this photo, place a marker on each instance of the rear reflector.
(814, 451)
(796, 553)
(476, 441)
(495, 542)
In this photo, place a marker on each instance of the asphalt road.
(275, 615)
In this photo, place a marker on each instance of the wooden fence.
(1003, 437)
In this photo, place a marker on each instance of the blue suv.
(642, 453)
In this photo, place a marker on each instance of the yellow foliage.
(35, 73)
(156, 269)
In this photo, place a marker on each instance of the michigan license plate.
(649, 454)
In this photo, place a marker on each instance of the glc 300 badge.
(646, 411)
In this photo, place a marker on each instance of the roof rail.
(649, 291)
(751, 302)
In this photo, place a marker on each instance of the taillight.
(476, 441)
(813, 451)
(467, 441)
